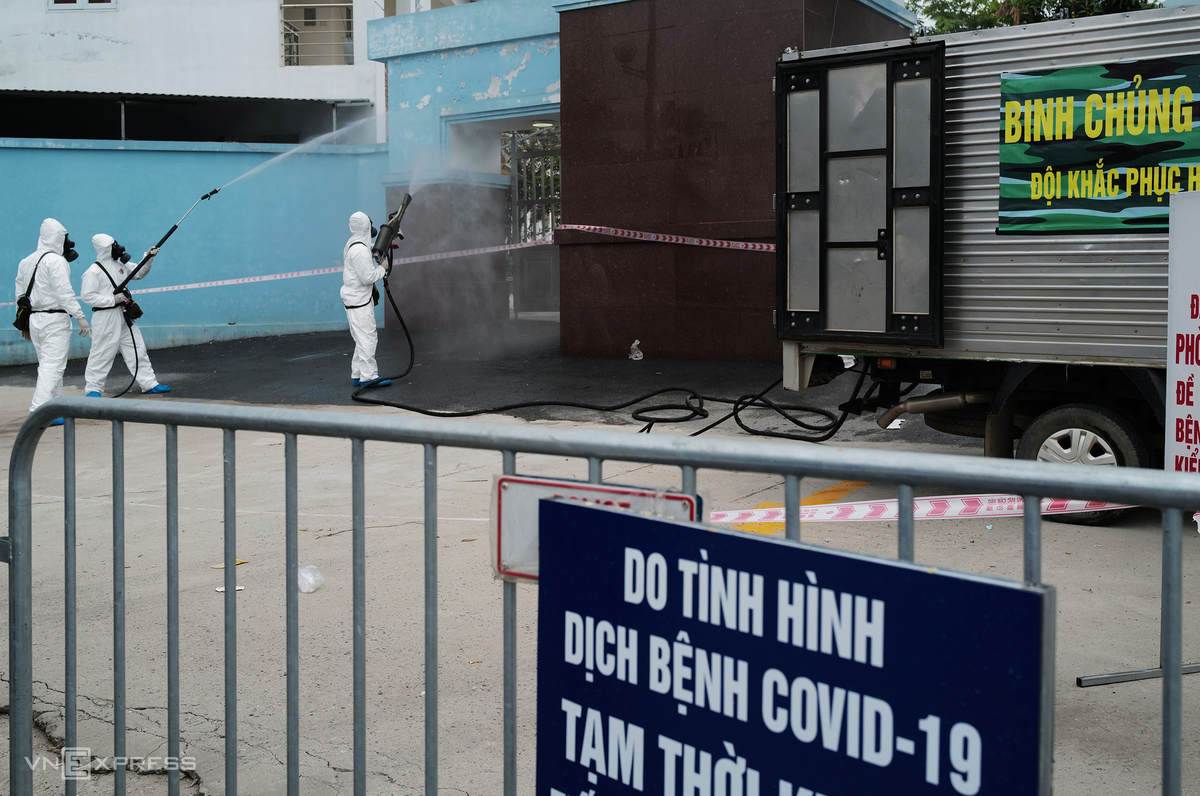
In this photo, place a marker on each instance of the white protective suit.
(359, 275)
(49, 330)
(109, 330)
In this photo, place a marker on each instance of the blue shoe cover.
(92, 394)
(58, 422)
(356, 382)
(378, 383)
(157, 389)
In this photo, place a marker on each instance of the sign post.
(514, 514)
(1182, 452)
(680, 661)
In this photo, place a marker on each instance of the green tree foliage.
(955, 16)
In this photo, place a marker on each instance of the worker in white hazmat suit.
(359, 275)
(110, 331)
(45, 277)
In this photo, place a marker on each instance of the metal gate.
(1170, 492)
(535, 162)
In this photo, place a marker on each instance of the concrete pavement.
(1107, 578)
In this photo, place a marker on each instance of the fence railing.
(291, 44)
(1170, 492)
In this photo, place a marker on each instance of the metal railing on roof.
(316, 34)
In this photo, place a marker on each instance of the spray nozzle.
(389, 231)
(213, 192)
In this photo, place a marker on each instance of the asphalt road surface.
(482, 367)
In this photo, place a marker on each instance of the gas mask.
(374, 232)
(69, 249)
(119, 253)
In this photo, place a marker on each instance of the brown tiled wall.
(668, 126)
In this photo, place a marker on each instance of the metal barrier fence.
(1170, 492)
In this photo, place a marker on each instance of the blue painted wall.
(292, 216)
(474, 62)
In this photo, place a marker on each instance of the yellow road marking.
(830, 494)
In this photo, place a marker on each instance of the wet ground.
(481, 367)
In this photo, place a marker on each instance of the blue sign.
(678, 661)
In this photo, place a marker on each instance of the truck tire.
(1086, 435)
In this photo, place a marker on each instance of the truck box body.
(1058, 298)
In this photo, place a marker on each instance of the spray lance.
(132, 310)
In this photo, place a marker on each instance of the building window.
(316, 33)
(71, 5)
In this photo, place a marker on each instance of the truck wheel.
(1086, 435)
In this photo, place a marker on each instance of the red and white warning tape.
(425, 258)
(242, 281)
(930, 508)
(876, 510)
(334, 270)
(656, 237)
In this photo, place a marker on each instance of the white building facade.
(306, 61)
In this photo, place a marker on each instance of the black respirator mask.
(69, 249)
(374, 232)
(119, 253)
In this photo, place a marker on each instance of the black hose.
(136, 363)
(412, 351)
(824, 432)
(691, 408)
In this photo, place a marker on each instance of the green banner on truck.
(1097, 149)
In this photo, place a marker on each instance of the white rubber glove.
(85, 329)
(119, 298)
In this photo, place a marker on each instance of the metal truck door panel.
(857, 298)
(804, 141)
(804, 261)
(910, 263)
(857, 116)
(912, 133)
(856, 199)
(859, 232)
